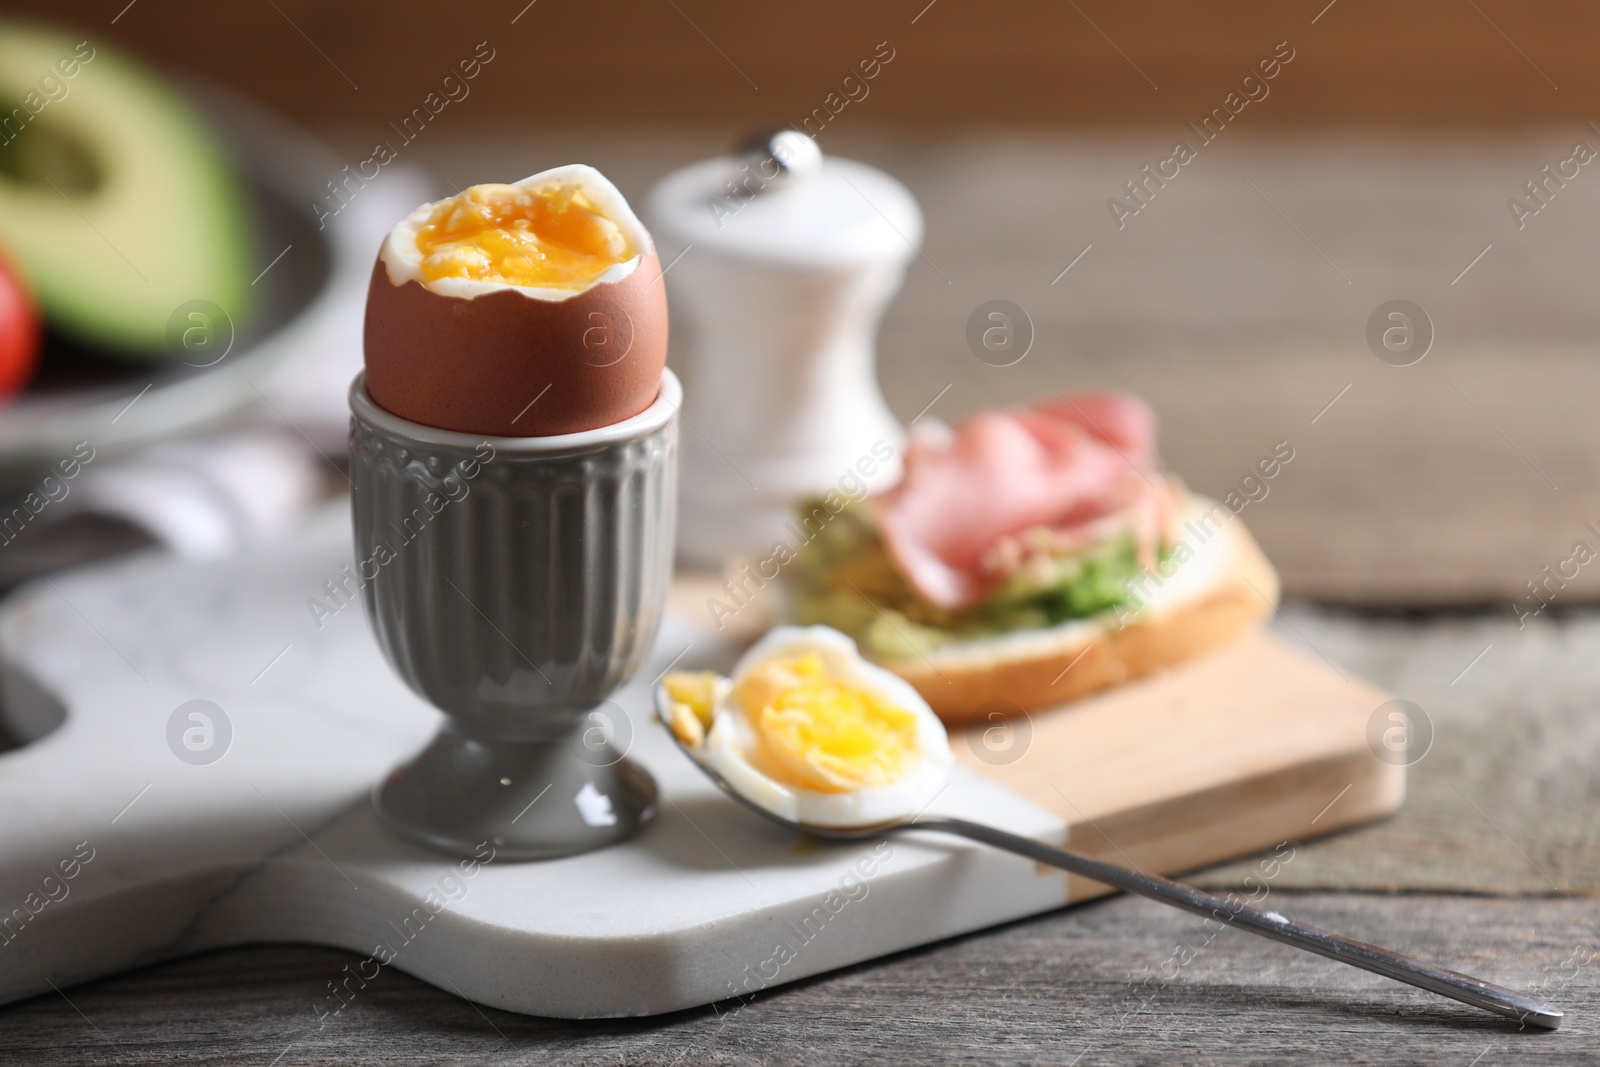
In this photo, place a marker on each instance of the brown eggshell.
(476, 365)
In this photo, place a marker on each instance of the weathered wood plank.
(1099, 983)
(1505, 799)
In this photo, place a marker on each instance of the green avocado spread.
(844, 578)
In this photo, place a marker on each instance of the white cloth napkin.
(207, 497)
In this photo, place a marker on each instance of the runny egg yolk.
(818, 733)
(694, 698)
(550, 237)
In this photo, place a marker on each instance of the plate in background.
(114, 404)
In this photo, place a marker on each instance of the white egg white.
(404, 262)
(732, 738)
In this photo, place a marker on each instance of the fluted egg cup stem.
(516, 583)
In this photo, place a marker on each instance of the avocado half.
(115, 199)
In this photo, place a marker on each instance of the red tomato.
(19, 332)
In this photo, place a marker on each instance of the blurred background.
(1381, 159)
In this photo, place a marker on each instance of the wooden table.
(1491, 868)
(1067, 988)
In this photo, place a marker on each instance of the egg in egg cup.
(515, 582)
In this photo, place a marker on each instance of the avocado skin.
(116, 200)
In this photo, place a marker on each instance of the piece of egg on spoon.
(812, 732)
(524, 310)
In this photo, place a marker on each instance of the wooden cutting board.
(119, 852)
(1243, 749)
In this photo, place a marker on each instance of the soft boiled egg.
(529, 309)
(812, 732)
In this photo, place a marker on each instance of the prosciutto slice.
(1071, 470)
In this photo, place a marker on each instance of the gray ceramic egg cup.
(515, 583)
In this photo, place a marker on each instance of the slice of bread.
(1219, 586)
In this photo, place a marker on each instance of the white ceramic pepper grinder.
(780, 264)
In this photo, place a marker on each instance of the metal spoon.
(1446, 983)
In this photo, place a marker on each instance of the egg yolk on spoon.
(813, 731)
(551, 237)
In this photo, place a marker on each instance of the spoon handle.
(1447, 983)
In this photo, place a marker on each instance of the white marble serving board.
(276, 840)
